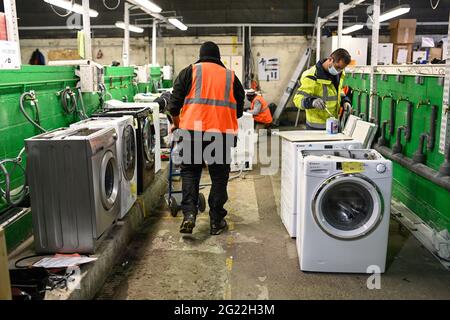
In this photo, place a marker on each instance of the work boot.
(218, 227)
(188, 223)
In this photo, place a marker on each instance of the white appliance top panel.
(312, 135)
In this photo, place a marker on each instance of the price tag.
(352, 167)
(9, 55)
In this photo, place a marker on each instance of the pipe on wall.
(418, 168)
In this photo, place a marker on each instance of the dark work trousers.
(191, 171)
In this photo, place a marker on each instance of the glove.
(163, 101)
(319, 104)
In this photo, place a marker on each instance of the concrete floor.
(256, 259)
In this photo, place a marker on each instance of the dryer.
(147, 148)
(74, 182)
(126, 150)
(344, 223)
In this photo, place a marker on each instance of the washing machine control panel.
(381, 168)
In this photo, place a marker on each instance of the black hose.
(36, 106)
(382, 139)
(82, 111)
(419, 156)
(392, 118)
(367, 106)
(432, 134)
(68, 101)
(397, 147)
(10, 200)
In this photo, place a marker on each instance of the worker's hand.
(319, 104)
(173, 127)
(348, 107)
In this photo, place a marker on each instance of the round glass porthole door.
(148, 138)
(109, 180)
(348, 206)
(128, 152)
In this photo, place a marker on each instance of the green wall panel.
(426, 199)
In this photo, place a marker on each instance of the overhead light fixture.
(352, 28)
(121, 25)
(68, 5)
(146, 4)
(395, 12)
(177, 23)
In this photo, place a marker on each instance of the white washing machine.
(126, 150)
(74, 181)
(360, 134)
(344, 222)
(290, 170)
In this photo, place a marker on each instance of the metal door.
(128, 152)
(109, 180)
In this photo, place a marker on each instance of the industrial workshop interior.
(224, 150)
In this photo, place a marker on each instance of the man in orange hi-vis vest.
(206, 101)
(259, 109)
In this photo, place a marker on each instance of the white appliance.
(74, 183)
(116, 105)
(385, 53)
(345, 223)
(361, 135)
(126, 150)
(357, 47)
(242, 154)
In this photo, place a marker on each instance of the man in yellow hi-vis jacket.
(320, 89)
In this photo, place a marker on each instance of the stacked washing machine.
(146, 124)
(344, 204)
(75, 188)
(359, 134)
(126, 150)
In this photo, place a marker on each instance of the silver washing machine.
(74, 183)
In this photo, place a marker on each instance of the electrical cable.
(36, 106)
(19, 196)
(68, 12)
(111, 8)
(82, 111)
(434, 6)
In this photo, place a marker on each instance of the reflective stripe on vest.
(210, 105)
(264, 115)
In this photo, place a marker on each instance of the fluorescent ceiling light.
(177, 23)
(71, 7)
(146, 4)
(121, 25)
(397, 11)
(352, 28)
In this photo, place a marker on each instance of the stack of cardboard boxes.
(403, 33)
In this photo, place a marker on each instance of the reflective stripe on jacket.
(313, 86)
(264, 115)
(210, 105)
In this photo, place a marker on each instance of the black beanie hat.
(209, 50)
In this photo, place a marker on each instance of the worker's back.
(210, 104)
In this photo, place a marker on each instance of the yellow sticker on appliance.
(352, 167)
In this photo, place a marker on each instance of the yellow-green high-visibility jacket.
(315, 84)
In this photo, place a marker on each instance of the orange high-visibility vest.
(264, 116)
(210, 105)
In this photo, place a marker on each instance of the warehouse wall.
(182, 51)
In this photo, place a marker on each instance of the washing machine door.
(148, 138)
(348, 206)
(128, 152)
(109, 180)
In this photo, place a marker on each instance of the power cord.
(33, 102)
(68, 101)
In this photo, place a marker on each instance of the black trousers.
(191, 171)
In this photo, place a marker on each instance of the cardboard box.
(385, 51)
(403, 30)
(403, 53)
(434, 53)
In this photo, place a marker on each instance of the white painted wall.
(182, 51)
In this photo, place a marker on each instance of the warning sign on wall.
(9, 55)
(268, 69)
